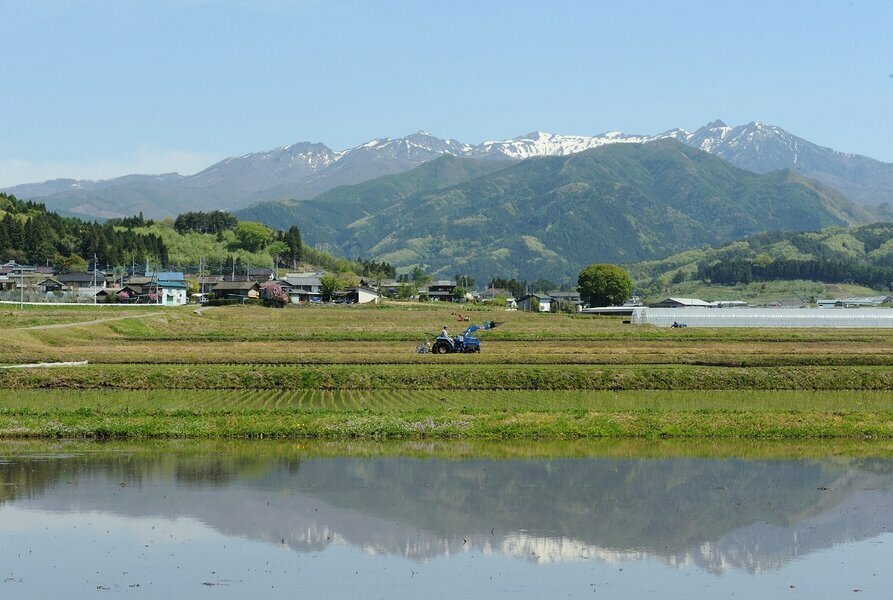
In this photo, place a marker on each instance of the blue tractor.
(466, 342)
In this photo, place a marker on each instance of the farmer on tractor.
(466, 342)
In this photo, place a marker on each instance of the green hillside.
(29, 233)
(549, 216)
(855, 259)
(352, 205)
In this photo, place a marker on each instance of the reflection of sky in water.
(77, 555)
(397, 527)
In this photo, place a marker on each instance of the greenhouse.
(763, 317)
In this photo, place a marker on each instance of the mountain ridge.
(304, 169)
(552, 215)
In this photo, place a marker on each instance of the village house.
(81, 283)
(858, 302)
(133, 293)
(260, 275)
(526, 302)
(560, 298)
(171, 288)
(173, 293)
(236, 290)
(491, 294)
(385, 287)
(681, 303)
(14, 276)
(302, 287)
(572, 297)
(361, 295)
(51, 286)
(13, 270)
(442, 291)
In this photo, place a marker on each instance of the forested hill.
(549, 216)
(859, 255)
(353, 203)
(31, 234)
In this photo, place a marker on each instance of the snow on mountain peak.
(421, 146)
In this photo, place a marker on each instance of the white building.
(173, 293)
(526, 302)
(361, 295)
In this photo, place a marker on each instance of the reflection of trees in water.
(221, 470)
(27, 477)
(713, 512)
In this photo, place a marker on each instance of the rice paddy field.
(353, 372)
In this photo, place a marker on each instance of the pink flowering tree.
(123, 296)
(154, 296)
(275, 294)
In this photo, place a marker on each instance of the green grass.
(449, 377)
(230, 401)
(351, 372)
(838, 450)
(450, 424)
(11, 316)
(447, 415)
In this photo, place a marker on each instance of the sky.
(95, 89)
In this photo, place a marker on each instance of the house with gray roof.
(544, 302)
(302, 287)
(236, 290)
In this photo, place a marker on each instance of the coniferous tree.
(295, 246)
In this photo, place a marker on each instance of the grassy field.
(352, 372)
(11, 316)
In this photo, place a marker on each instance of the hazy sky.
(100, 89)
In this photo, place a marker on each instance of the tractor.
(466, 342)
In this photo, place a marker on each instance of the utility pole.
(21, 288)
(94, 277)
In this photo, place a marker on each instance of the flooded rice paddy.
(612, 519)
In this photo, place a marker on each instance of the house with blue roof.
(172, 292)
(169, 287)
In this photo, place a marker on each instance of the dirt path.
(93, 322)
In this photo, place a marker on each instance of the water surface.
(225, 520)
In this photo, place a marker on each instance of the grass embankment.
(448, 415)
(447, 377)
(248, 452)
(538, 376)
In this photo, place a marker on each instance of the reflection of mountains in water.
(717, 514)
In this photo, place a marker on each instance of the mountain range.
(305, 170)
(549, 216)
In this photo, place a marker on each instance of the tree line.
(742, 270)
(205, 222)
(31, 234)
